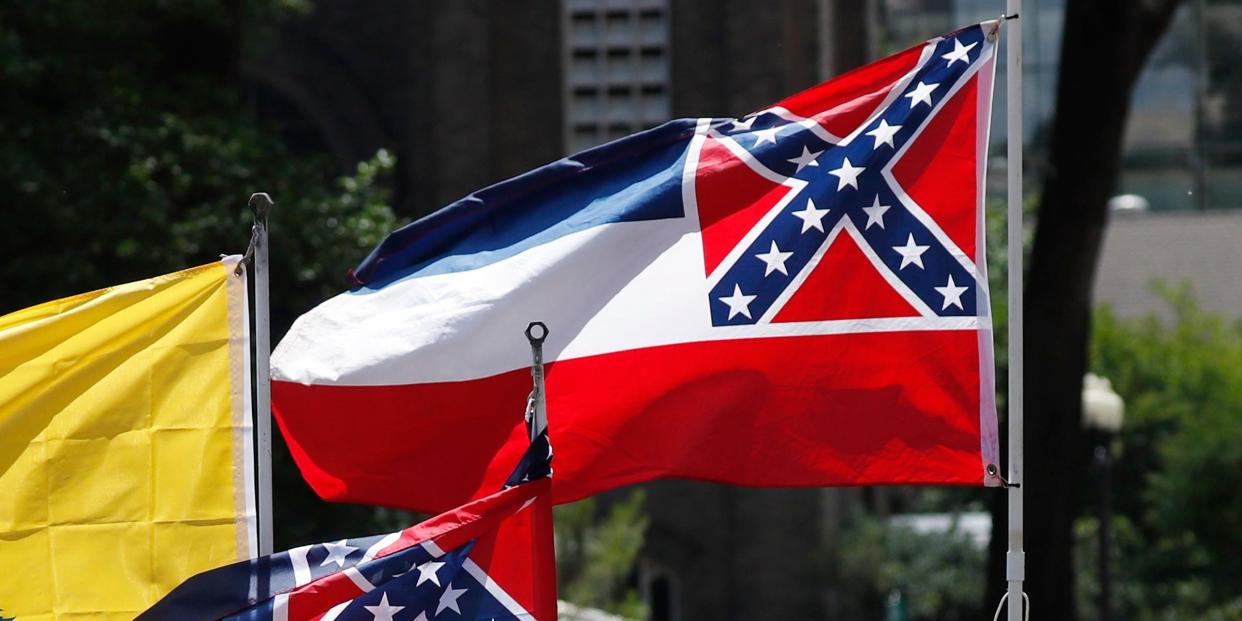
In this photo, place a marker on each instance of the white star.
(774, 260)
(427, 571)
(806, 159)
(739, 304)
(960, 52)
(911, 253)
(422, 616)
(384, 612)
(952, 294)
(744, 125)
(884, 133)
(766, 135)
(337, 553)
(811, 217)
(921, 94)
(847, 174)
(449, 598)
(875, 213)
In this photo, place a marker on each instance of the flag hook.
(537, 404)
(260, 205)
(993, 471)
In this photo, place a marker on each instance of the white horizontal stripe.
(614, 287)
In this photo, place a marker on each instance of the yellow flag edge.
(243, 405)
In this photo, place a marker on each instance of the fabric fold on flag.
(794, 297)
(125, 440)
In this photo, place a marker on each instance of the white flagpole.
(1015, 560)
(261, 204)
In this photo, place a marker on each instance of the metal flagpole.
(261, 205)
(1015, 560)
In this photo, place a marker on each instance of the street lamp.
(1102, 413)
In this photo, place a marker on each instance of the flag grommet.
(537, 331)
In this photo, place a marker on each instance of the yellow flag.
(125, 444)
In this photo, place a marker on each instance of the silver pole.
(261, 205)
(1015, 560)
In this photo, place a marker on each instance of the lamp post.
(1102, 413)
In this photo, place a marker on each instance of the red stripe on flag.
(809, 411)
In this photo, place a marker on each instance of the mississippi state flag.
(796, 297)
(491, 559)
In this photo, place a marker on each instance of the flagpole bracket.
(992, 27)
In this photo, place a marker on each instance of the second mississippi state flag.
(797, 297)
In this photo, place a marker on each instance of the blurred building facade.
(470, 92)
(1183, 143)
(1181, 175)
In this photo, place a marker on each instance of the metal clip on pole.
(994, 471)
(260, 206)
(537, 410)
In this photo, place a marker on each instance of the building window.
(616, 69)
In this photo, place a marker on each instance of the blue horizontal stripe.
(631, 179)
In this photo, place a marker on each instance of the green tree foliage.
(128, 151)
(596, 552)
(938, 575)
(1178, 545)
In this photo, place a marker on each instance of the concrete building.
(1202, 249)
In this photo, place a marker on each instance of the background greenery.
(128, 152)
(1178, 546)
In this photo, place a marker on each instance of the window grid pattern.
(617, 67)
